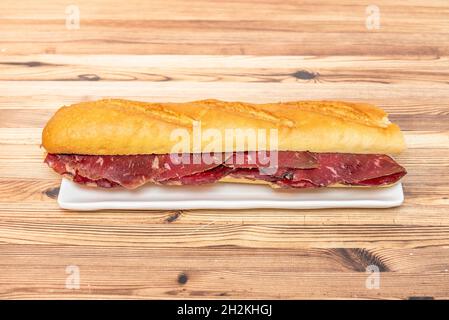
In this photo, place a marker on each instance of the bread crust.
(122, 127)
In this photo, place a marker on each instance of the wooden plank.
(234, 10)
(218, 233)
(347, 69)
(39, 204)
(426, 205)
(173, 62)
(221, 272)
(250, 91)
(236, 27)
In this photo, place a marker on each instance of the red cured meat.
(209, 176)
(129, 171)
(295, 169)
(104, 183)
(173, 168)
(285, 159)
(344, 168)
(252, 174)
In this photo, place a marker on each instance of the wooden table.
(233, 50)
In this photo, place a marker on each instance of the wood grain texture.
(226, 27)
(255, 51)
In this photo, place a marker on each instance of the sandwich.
(114, 143)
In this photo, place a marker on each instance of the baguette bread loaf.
(122, 127)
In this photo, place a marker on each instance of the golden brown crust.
(119, 127)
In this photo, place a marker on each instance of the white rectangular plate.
(225, 196)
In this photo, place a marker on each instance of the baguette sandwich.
(306, 144)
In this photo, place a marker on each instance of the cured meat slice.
(252, 174)
(344, 168)
(380, 181)
(209, 176)
(295, 169)
(130, 171)
(103, 183)
(284, 159)
(174, 167)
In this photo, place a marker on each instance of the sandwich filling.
(294, 169)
